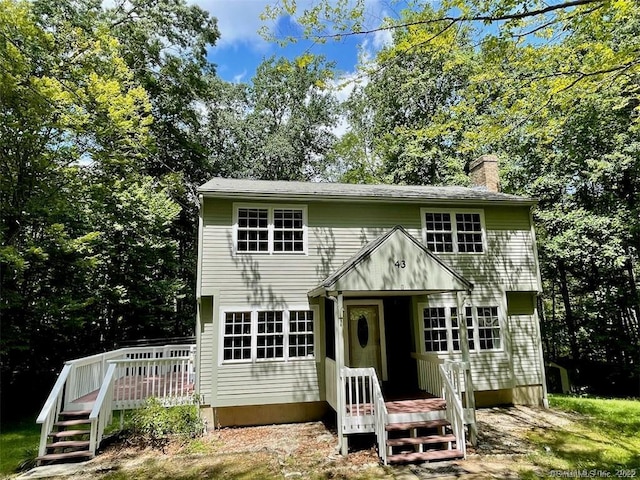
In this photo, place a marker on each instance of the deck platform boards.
(416, 405)
(141, 387)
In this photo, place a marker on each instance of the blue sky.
(240, 48)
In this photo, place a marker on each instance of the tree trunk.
(568, 312)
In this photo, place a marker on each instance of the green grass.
(605, 437)
(18, 441)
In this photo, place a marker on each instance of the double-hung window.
(441, 327)
(270, 336)
(435, 329)
(488, 329)
(270, 229)
(453, 231)
(263, 335)
(237, 336)
(253, 230)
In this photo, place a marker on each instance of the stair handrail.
(102, 411)
(52, 408)
(83, 375)
(381, 415)
(454, 409)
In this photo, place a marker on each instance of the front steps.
(69, 442)
(421, 441)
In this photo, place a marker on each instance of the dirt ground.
(309, 451)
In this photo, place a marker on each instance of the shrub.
(154, 424)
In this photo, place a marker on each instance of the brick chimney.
(483, 172)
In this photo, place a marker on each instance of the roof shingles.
(237, 188)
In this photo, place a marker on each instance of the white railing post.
(52, 407)
(139, 373)
(102, 409)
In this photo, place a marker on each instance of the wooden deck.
(416, 405)
(141, 387)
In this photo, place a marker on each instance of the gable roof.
(285, 190)
(395, 261)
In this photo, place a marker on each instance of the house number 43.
(400, 264)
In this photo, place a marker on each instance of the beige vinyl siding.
(267, 382)
(526, 366)
(525, 338)
(508, 262)
(490, 370)
(336, 231)
(507, 218)
(208, 348)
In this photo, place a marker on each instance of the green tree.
(165, 44)
(279, 127)
(566, 129)
(75, 126)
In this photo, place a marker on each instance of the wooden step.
(71, 423)
(56, 457)
(69, 433)
(69, 444)
(429, 439)
(430, 456)
(391, 427)
(76, 413)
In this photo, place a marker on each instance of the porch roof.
(394, 262)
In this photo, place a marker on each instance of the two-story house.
(317, 296)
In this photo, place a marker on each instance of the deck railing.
(102, 411)
(52, 408)
(357, 395)
(429, 378)
(169, 379)
(451, 392)
(381, 417)
(364, 409)
(137, 373)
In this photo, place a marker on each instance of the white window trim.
(254, 334)
(270, 207)
(454, 228)
(448, 304)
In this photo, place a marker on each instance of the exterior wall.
(336, 231)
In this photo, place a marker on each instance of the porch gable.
(396, 262)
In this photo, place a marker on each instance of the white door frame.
(364, 302)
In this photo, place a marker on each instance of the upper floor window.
(453, 231)
(272, 229)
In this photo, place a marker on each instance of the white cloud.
(238, 21)
(240, 76)
(382, 38)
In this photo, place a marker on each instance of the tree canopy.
(111, 116)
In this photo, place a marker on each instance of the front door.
(366, 341)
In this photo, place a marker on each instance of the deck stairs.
(70, 439)
(418, 428)
(88, 390)
(418, 431)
